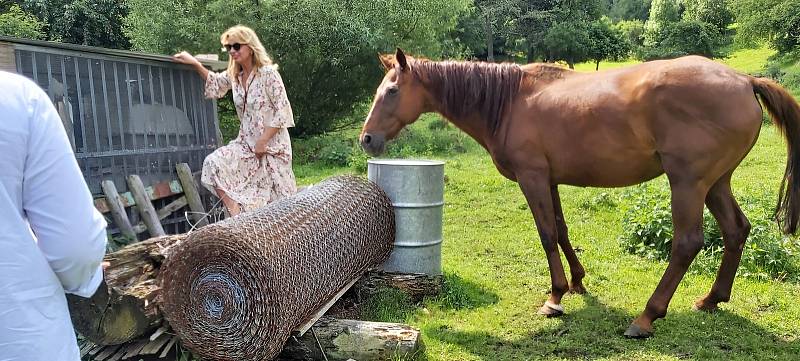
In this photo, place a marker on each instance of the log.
(123, 308)
(417, 285)
(354, 339)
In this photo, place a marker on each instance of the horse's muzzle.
(373, 144)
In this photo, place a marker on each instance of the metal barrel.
(416, 189)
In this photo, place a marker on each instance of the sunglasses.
(234, 46)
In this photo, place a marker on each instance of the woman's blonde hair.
(244, 35)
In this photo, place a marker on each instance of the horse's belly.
(598, 172)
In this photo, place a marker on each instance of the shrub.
(768, 254)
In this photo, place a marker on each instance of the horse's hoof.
(551, 310)
(577, 289)
(634, 331)
(705, 306)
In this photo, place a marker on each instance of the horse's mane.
(466, 88)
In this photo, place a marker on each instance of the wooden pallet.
(142, 198)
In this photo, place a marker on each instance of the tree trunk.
(597, 66)
(124, 306)
(489, 38)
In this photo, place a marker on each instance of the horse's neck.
(474, 126)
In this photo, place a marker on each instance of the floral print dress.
(234, 168)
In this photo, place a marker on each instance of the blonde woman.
(256, 167)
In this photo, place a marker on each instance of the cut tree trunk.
(123, 308)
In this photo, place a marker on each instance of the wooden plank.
(155, 192)
(8, 60)
(168, 347)
(134, 348)
(155, 345)
(172, 207)
(86, 348)
(163, 213)
(117, 209)
(107, 352)
(121, 352)
(145, 206)
(305, 326)
(192, 193)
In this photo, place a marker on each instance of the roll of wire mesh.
(235, 290)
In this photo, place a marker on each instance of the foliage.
(630, 10)
(647, 231)
(687, 37)
(714, 12)
(85, 22)
(775, 21)
(633, 30)
(326, 49)
(17, 23)
(569, 42)
(662, 13)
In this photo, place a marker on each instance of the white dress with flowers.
(234, 168)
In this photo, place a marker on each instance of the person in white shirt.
(52, 239)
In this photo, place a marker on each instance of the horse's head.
(399, 101)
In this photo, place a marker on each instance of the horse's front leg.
(537, 190)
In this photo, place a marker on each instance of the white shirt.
(52, 239)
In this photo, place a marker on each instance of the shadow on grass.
(595, 332)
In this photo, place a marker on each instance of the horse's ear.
(387, 60)
(400, 57)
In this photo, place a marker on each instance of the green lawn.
(745, 60)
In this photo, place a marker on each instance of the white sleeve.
(70, 232)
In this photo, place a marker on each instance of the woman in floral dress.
(255, 168)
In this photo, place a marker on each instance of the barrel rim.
(405, 162)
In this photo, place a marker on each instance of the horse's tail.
(785, 113)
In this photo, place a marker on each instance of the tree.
(775, 21)
(630, 10)
(714, 12)
(85, 22)
(687, 37)
(17, 23)
(326, 50)
(662, 13)
(633, 31)
(569, 42)
(606, 42)
(494, 15)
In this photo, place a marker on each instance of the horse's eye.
(392, 91)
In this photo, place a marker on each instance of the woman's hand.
(185, 58)
(260, 149)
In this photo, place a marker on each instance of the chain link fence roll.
(235, 290)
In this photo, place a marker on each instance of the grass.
(750, 61)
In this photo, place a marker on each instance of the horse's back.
(615, 127)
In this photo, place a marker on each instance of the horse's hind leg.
(575, 268)
(735, 228)
(687, 220)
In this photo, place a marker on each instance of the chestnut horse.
(690, 118)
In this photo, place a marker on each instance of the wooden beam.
(118, 210)
(192, 193)
(145, 206)
(300, 330)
